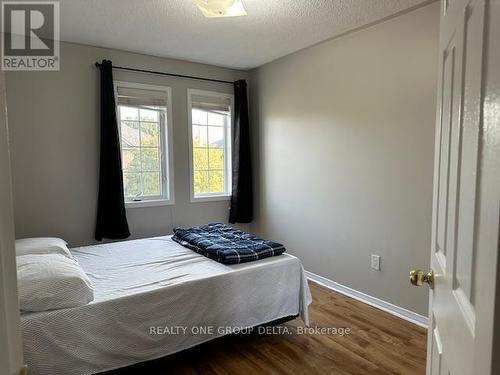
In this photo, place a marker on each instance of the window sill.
(148, 203)
(214, 198)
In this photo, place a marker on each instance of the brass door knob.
(418, 278)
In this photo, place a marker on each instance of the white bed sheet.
(158, 283)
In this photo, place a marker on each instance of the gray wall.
(344, 153)
(54, 122)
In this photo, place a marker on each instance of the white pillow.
(42, 245)
(51, 281)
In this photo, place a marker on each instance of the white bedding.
(158, 283)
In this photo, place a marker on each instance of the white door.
(466, 190)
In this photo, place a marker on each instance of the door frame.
(10, 334)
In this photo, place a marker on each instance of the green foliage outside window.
(208, 163)
(140, 134)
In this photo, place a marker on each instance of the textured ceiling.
(176, 28)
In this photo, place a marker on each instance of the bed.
(154, 297)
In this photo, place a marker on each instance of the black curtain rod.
(167, 74)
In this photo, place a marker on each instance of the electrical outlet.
(375, 264)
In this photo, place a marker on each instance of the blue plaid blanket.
(225, 244)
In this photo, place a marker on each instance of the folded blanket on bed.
(225, 244)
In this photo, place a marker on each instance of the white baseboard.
(400, 312)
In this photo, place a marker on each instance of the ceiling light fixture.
(221, 8)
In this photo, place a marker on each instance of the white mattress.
(158, 283)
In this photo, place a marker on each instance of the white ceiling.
(177, 28)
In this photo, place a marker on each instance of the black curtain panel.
(242, 191)
(111, 217)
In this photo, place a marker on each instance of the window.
(145, 134)
(210, 149)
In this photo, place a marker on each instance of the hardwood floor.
(378, 343)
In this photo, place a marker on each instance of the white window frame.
(210, 197)
(166, 148)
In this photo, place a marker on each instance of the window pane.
(200, 156)
(199, 136)
(216, 136)
(131, 184)
(150, 159)
(216, 181)
(131, 159)
(200, 182)
(130, 133)
(199, 117)
(216, 158)
(210, 122)
(150, 134)
(149, 115)
(215, 119)
(151, 183)
(142, 113)
(129, 113)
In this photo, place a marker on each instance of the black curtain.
(242, 191)
(111, 217)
